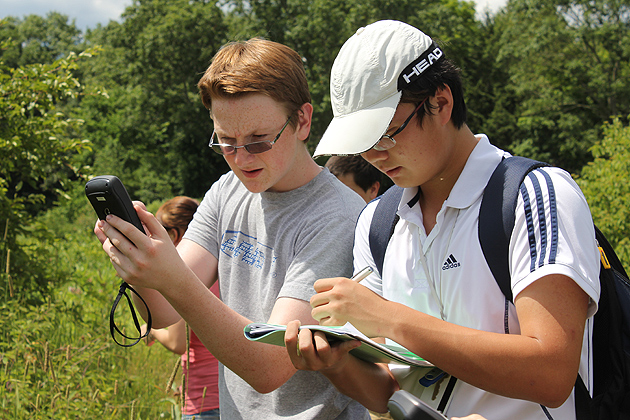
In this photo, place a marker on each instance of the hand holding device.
(108, 195)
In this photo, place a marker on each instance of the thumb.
(346, 346)
(152, 226)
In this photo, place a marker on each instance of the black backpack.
(611, 328)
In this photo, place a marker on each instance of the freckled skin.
(287, 165)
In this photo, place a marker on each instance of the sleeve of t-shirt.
(204, 226)
(554, 234)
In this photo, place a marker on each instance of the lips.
(251, 173)
(393, 172)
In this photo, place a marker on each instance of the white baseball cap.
(366, 81)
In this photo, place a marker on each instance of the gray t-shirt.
(272, 245)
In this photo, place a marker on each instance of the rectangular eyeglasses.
(254, 147)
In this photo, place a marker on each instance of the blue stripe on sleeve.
(530, 226)
(542, 222)
(553, 214)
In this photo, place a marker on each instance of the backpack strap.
(496, 221)
(496, 216)
(383, 222)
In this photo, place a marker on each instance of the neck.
(303, 170)
(435, 191)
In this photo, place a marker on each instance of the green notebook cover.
(369, 350)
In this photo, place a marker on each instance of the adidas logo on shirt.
(450, 262)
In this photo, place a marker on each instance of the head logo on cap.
(417, 67)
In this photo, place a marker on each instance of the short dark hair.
(442, 73)
(364, 174)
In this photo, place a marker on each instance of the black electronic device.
(108, 195)
(405, 406)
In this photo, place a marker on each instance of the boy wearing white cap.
(398, 102)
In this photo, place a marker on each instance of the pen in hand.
(362, 274)
(357, 277)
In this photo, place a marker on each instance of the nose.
(373, 156)
(242, 156)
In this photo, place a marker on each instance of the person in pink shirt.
(199, 366)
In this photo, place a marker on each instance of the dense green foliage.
(567, 65)
(547, 80)
(152, 130)
(38, 40)
(39, 148)
(605, 184)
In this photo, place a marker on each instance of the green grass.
(57, 358)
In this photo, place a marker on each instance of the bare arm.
(173, 338)
(180, 286)
(552, 313)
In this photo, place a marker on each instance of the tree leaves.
(152, 130)
(604, 182)
(565, 74)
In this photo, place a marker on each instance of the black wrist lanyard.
(122, 291)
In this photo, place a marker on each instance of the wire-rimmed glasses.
(387, 140)
(254, 147)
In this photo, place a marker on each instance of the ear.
(444, 98)
(305, 117)
(175, 236)
(372, 192)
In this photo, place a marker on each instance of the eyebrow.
(247, 139)
(255, 132)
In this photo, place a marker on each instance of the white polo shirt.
(553, 234)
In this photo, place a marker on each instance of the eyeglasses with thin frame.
(254, 147)
(387, 140)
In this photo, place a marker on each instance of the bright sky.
(482, 5)
(88, 13)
